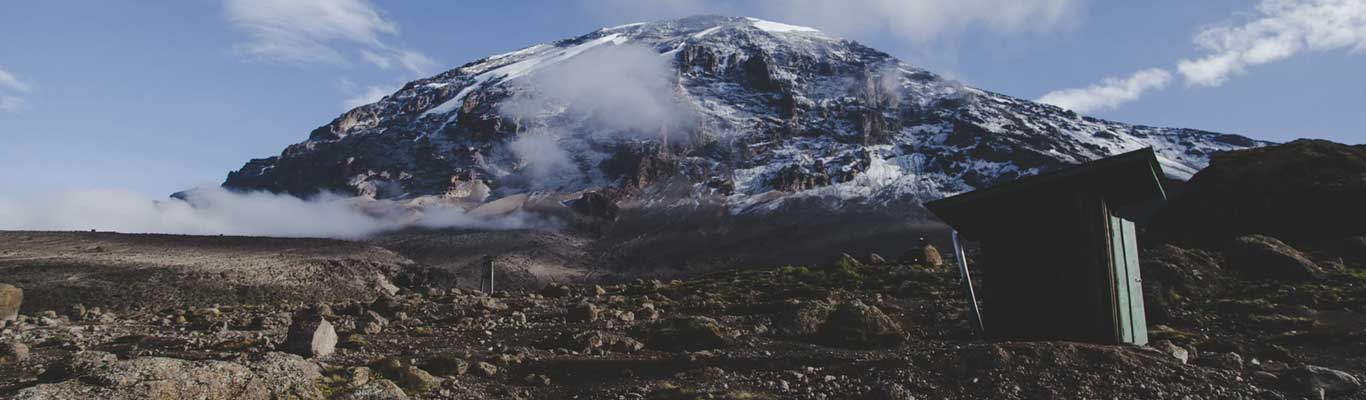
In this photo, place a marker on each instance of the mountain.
(746, 114)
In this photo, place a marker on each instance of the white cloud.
(11, 82)
(375, 58)
(371, 94)
(10, 88)
(416, 62)
(627, 89)
(542, 156)
(1110, 92)
(1282, 29)
(318, 31)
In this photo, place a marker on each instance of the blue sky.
(158, 96)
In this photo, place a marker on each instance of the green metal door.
(1133, 324)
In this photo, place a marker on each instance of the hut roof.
(1124, 179)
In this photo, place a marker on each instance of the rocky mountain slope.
(739, 113)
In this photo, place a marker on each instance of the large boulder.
(1302, 191)
(686, 333)
(1311, 380)
(1264, 257)
(583, 312)
(860, 326)
(10, 299)
(802, 320)
(310, 335)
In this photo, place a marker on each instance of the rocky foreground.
(848, 330)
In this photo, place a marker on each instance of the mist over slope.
(216, 211)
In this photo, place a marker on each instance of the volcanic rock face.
(745, 112)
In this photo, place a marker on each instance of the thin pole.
(967, 283)
(490, 259)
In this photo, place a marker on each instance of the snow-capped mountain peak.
(741, 111)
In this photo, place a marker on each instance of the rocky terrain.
(122, 271)
(1256, 316)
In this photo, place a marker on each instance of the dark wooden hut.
(1060, 251)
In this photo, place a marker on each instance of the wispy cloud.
(319, 32)
(11, 82)
(10, 89)
(416, 62)
(1109, 93)
(1282, 29)
(369, 94)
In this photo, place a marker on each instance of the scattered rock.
(583, 312)
(485, 369)
(447, 365)
(353, 341)
(310, 335)
(13, 353)
(1169, 348)
(594, 340)
(1310, 379)
(269, 321)
(556, 290)
(1264, 257)
(846, 259)
(491, 305)
(375, 389)
(416, 381)
(76, 312)
(537, 380)
(930, 256)
(1229, 361)
(11, 298)
(802, 319)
